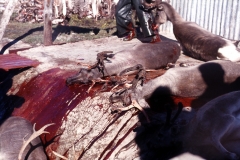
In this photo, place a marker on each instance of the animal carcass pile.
(89, 90)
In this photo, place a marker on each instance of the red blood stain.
(186, 101)
(47, 100)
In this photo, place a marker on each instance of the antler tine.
(43, 128)
(60, 156)
(135, 104)
(33, 136)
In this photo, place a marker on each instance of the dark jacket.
(123, 16)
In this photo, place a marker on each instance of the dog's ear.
(159, 7)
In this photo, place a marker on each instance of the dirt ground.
(26, 35)
(75, 30)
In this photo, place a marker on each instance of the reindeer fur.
(150, 56)
(207, 80)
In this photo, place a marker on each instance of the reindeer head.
(160, 17)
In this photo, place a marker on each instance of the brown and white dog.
(196, 41)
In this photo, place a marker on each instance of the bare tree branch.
(6, 16)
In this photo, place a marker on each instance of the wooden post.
(48, 22)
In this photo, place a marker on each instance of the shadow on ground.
(8, 102)
(58, 30)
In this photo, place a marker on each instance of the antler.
(33, 136)
(60, 156)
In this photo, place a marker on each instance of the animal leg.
(134, 68)
(60, 156)
(114, 87)
(141, 76)
(115, 82)
(126, 85)
(94, 82)
(151, 70)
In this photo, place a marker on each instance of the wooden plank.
(13, 61)
(47, 32)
